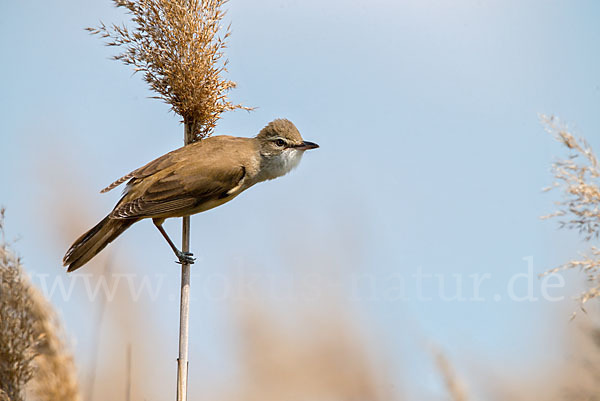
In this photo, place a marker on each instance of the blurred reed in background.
(33, 355)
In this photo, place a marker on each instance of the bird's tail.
(92, 242)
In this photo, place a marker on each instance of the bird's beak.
(306, 146)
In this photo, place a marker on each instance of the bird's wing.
(153, 167)
(179, 191)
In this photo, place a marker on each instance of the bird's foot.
(185, 258)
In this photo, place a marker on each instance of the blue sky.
(432, 155)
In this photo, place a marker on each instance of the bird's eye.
(280, 142)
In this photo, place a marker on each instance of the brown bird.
(193, 179)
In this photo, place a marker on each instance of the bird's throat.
(273, 167)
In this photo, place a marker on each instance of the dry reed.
(18, 335)
(176, 45)
(454, 385)
(31, 348)
(578, 177)
(55, 375)
(581, 380)
(325, 357)
(129, 321)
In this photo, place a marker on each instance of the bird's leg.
(184, 257)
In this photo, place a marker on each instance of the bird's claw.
(185, 258)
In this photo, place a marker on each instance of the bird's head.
(281, 147)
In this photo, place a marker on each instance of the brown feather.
(149, 169)
(93, 241)
(173, 185)
(140, 208)
(188, 180)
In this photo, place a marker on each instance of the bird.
(193, 179)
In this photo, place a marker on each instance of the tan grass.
(55, 375)
(455, 387)
(578, 177)
(31, 348)
(130, 322)
(176, 45)
(581, 377)
(573, 377)
(18, 335)
(319, 355)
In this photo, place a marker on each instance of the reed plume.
(324, 358)
(32, 352)
(176, 45)
(18, 335)
(454, 386)
(578, 177)
(55, 375)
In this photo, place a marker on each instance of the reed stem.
(184, 306)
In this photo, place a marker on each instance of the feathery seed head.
(32, 352)
(578, 177)
(176, 45)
